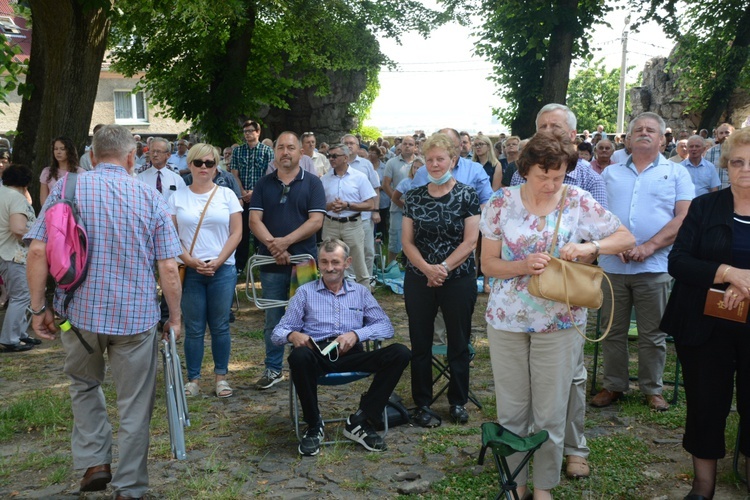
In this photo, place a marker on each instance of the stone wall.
(327, 116)
(658, 94)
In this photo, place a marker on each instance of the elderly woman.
(533, 342)
(439, 234)
(16, 215)
(503, 176)
(604, 151)
(208, 253)
(712, 250)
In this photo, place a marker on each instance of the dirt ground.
(244, 446)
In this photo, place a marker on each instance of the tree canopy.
(592, 94)
(531, 44)
(712, 51)
(217, 62)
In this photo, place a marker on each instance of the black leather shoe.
(426, 418)
(16, 347)
(693, 496)
(31, 341)
(459, 414)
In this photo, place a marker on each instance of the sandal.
(223, 390)
(192, 389)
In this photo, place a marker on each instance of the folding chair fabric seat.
(503, 444)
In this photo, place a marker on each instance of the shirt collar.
(345, 287)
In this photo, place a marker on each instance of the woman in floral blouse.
(533, 342)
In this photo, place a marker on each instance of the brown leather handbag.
(572, 283)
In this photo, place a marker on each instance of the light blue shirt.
(467, 172)
(704, 175)
(645, 203)
(179, 161)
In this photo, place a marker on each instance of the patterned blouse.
(510, 306)
(439, 224)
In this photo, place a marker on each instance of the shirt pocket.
(662, 189)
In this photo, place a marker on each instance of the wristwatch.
(39, 312)
(348, 205)
(597, 246)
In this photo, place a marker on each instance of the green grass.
(447, 436)
(41, 410)
(252, 334)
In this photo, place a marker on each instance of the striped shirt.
(318, 312)
(129, 229)
(251, 163)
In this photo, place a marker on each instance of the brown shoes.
(577, 467)
(96, 478)
(656, 402)
(605, 398)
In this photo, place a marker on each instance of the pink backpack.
(67, 240)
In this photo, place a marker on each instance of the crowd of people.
(650, 208)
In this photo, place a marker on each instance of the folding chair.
(632, 336)
(263, 260)
(439, 353)
(330, 379)
(177, 410)
(736, 458)
(503, 444)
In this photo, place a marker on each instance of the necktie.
(158, 181)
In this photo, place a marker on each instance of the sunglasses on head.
(207, 163)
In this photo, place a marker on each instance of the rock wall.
(327, 116)
(658, 94)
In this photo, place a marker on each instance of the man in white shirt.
(179, 158)
(158, 176)
(308, 148)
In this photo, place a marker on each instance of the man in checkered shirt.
(248, 165)
(131, 235)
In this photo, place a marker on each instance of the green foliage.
(593, 94)
(272, 48)
(515, 36)
(11, 69)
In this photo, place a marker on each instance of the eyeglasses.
(334, 156)
(207, 163)
(249, 130)
(158, 152)
(479, 145)
(738, 163)
(284, 191)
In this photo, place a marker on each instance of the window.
(130, 107)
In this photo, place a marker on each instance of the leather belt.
(343, 219)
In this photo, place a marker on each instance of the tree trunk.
(560, 54)
(736, 58)
(220, 124)
(524, 124)
(70, 40)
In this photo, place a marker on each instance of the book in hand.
(715, 307)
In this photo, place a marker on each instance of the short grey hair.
(342, 147)
(331, 245)
(163, 141)
(570, 117)
(645, 116)
(113, 141)
(696, 137)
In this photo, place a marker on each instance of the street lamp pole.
(623, 70)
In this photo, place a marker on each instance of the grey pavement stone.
(414, 487)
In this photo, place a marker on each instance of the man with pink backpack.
(129, 234)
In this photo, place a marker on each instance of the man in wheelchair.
(333, 311)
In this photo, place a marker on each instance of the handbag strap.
(565, 277)
(570, 312)
(200, 221)
(559, 218)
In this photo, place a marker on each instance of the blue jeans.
(275, 286)
(206, 300)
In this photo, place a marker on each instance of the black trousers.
(456, 298)
(387, 364)
(709, 372)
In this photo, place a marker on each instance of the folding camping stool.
(251, 291)
(503, 444)
(441, 366)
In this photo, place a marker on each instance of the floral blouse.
(510, 306)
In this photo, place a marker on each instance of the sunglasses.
(284, 192)
(207, 163)
(334, 156)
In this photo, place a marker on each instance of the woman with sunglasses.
(208, 218)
